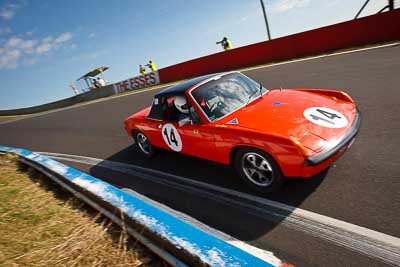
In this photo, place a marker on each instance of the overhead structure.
(93, 73)
(389, 6)
(265, 18)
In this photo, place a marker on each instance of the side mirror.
(185, 121)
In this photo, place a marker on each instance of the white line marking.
(320, 56)
(169, 84)
(371, 243)
(259, 253)
(82, 104)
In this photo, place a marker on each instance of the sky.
(46, 45)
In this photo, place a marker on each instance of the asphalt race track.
(362, 188)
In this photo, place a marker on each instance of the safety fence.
(131, 84)
(368, 30)
(174, 240)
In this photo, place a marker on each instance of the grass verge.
(43, 225)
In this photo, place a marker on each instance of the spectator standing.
(225, 43)
(96, 83)
(152, 66)
(101, 82)
(142, 70)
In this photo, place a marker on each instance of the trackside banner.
(137, 82)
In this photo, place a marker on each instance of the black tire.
(258, 170)
(143, 144)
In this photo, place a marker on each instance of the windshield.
(221, 97)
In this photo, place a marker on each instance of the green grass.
(42, 225)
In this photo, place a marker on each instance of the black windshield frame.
(235, 89)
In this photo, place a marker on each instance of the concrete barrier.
(87, 96)
(368, 30)
(175, 240)
(131, 84)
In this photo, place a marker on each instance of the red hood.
(280, 112)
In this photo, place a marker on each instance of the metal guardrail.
(176, 241)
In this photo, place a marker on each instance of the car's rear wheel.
(144, 145)
(258, 170)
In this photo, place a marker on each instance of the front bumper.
(335, 147)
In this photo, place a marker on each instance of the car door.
(197, 140)
(152, 128)
(154, 122)
(193, 138)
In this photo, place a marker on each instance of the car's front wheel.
(258, 170)
(143, 144)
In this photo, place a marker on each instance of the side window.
(170, 101)
(169, 110)
(194, 116)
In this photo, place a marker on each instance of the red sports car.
(267, 135)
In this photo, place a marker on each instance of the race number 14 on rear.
(325, 117)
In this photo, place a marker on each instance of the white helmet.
(181, 104)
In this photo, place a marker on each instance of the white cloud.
(52, 43)
(29, 50)
(26, 46)
(48, 39)
(92, 35)
(13, 41)
(9, 58)
(44, 48)
(286, 5)
(63, 38)
(8, 11)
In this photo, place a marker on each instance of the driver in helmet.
(182, 106)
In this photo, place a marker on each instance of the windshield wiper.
(255, 91)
